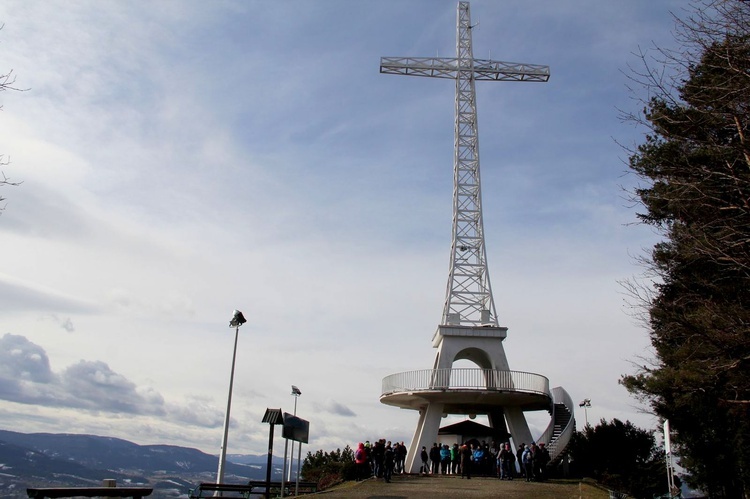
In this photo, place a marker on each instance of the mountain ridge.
(74, 460)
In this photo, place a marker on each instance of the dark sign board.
(295, 428)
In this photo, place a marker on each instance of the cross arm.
(485, 69)
(435, 67)
(448, 67)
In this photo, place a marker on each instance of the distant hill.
(50, 460)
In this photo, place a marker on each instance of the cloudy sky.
(181, 159)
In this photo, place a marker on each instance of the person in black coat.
(388, 461)
(378, 454)
(435, 458)
(425, 468)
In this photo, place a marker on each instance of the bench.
(289, 487)
(135, 492)
(209, 490)
(252, 487)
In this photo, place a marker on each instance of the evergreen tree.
(621, 456)
(695, 163)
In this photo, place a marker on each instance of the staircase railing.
(557, 443)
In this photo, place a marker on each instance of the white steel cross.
(468, 299)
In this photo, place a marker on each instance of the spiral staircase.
(562, 425)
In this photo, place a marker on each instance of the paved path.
(454, 487)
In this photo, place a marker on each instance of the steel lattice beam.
(468, 298)
(447, 67)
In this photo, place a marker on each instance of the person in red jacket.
(360, 461)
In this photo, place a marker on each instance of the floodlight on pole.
(237, 320)
(295, 393)
(586, 403)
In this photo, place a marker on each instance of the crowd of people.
(382, 459)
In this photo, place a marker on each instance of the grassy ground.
(430, 487)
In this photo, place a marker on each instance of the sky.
(182, 159)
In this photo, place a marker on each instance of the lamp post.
(237, 320)
(295, 393)
(585, 404)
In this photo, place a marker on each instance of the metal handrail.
(559, 444)
(465, 379)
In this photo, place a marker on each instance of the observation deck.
(467, 390)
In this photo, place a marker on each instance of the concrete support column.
(519, 428)
(497, 420)
(425, 434)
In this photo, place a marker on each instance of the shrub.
(329, 468)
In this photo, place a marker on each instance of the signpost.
(297, 430)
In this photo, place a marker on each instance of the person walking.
(425, 468)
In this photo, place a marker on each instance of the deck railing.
(465, 379)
